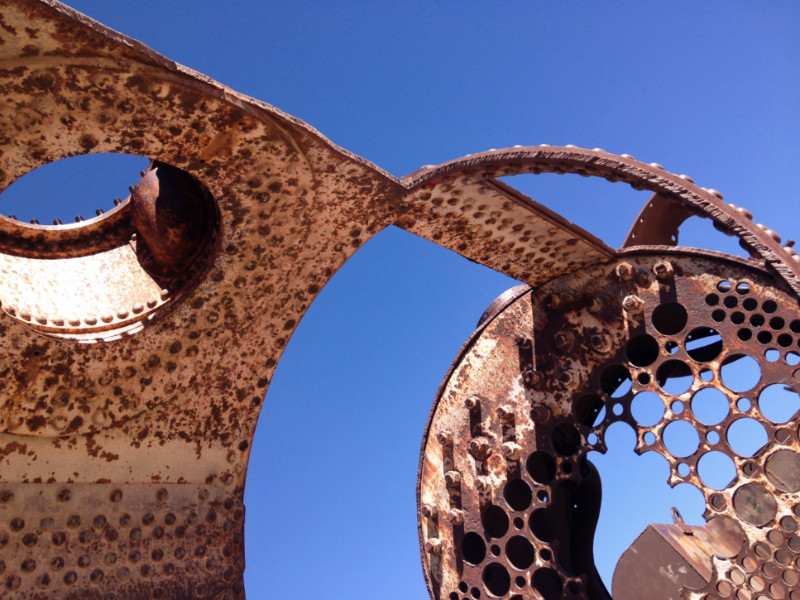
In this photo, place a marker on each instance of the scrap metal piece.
(138, 354)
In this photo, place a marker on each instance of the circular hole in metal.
(775, 538)
(566, 439)
(519, 523)
(746, 436)
(737, 318)
(676, 407)
(495, 521)
(541, 524)
(518, 494)
(788, 524)
(712, 299)
(772, 355)
(454, 596)
(647, 408)
(783, 436)
(674, 377)
(718, 315)
(740, 372)
(496, 579)
(785, 340)
(749, 304)
(545, 555)
(712, 437)
(589, 410)
(757, 320)
(795, 326)
(724, 286)
(650, 438)
(669, 318)
(617, 409)
(718, 502)
(755, 505)
(642, 350)
(495, 550)
(520, 552)
(703, 344)
(671, 347)
(463, 587)
(777, 323)
(710, 406)
(730, 301)
(783, 470)
(548, 583)
(716, 470)
(643, 378)
(706, 375)
(778, 403)
(765, 337)
(681, 439)
(542, 496)
(744, 334)
(475, 593)
(616, 381)
(792, 358)
(592, 438)
(541, 467)
(769, 307)
(473, 548)
(742, 287)
(683, 469)
(743, 404)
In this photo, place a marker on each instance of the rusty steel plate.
(136, 347)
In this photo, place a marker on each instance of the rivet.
(74, 321)
(656, 165)
(455, 516)
(164, 294)
(25, 315)
(627, 156)
(59, 423)
(428, 511)
(99, 418)
(716, 193)
(122, 314)
(41, 319)
(90, 320)
(152, 303)
(686, 178)
(11, 310)
(633, 304)
(137, 308)
(601, 342)
(531, 377)
(663, 269)
(58, 321)
(511, 450)
(106, 318)
(472, 403)
(563, 340)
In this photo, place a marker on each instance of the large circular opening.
(105, 273)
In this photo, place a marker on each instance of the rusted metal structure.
(135, 347)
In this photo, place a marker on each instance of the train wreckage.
(137, 346)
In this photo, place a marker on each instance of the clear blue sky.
(711, 89)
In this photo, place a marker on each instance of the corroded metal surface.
(136, 346)
(663, 341)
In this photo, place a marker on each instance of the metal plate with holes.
(136, 347)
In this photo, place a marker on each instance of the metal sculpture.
(135, 347)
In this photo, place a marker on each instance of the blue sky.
(711, 89)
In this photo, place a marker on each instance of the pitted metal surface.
(136, 346)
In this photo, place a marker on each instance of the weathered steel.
(136, 346)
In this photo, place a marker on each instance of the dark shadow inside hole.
(541, 467)
(588, 410)
(473, 548)
(642, 350)
(542, 525)
(496, 579)
(548, 583)
(703, 344)
(495, 521)
(520, 552)
(672, 370)
(669, 318)
(615, 381)
(518, 494)
(566, 439)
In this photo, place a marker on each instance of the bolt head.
(479, 448)
(505, 412)
(512, 450)
(633, 304)
(433, 546)
(522, 340)
(483, 484)
(624, 271)
(540, 413)
(445, 438)
(663, 269)
(452, 478)
(428, 511)
(472, 403)
(455, 516)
